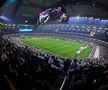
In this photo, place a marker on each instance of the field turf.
(59, 47)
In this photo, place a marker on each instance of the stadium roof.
(32, 8)
(48, 3)
(104, 2)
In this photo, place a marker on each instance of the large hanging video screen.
(56, 13)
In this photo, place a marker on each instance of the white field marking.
(81, 49)
(97, 52)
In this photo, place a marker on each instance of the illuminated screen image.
(25, 30)
(58, 13)
(11, 1)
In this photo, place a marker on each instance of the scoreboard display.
(25, 30)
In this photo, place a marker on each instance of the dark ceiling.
(56, 2)
(49, 3)
(105, 2)
(2, 2)
(96, 8)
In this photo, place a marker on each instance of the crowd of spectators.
(25, 69)
(28, 70)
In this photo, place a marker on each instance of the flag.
(44, 16)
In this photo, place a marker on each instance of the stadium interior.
(53, 45)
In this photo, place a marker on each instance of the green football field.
(59, 47)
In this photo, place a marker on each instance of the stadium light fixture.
(98, 19)
(102, 20)
(85, 17)
(78, 17)
(91, 18)
(26, 21)
(2, 17)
